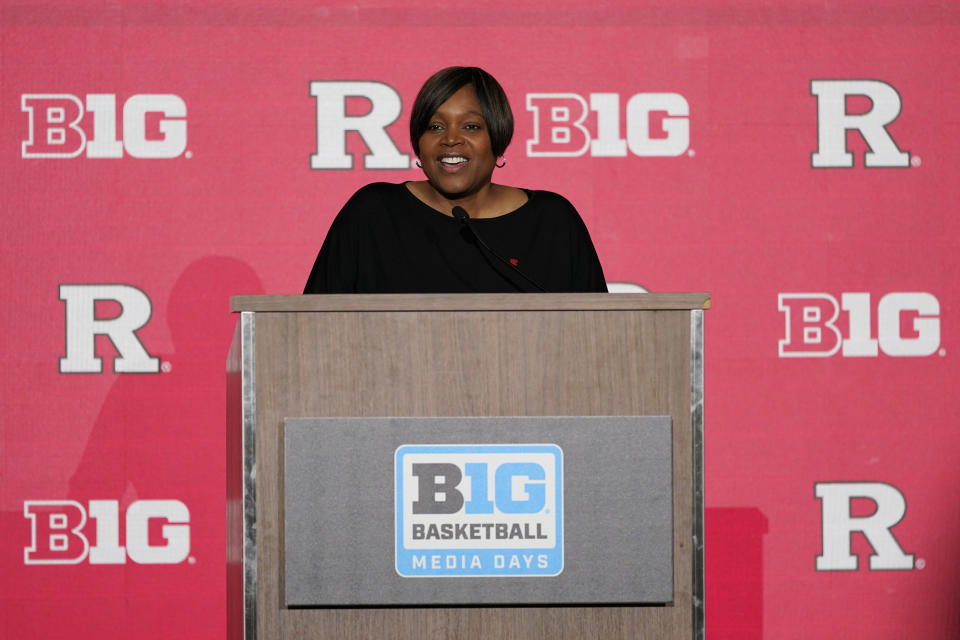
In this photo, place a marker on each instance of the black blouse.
(385, 240)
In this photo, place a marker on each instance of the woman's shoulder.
(372, 201)
(377, 192)
(551, 202)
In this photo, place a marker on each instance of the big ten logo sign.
(155, 532)
(61, 125)
(117, 311)
(907, 324)
(657, 124)
(472, 510)
(884, 507)
(837, 114)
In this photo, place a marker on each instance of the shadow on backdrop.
(162, 437)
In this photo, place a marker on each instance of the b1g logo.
(907, 324)
(479, 510)
(57, 532)
(83, 326)
(559, 129)
(833, 122)
(154, 126)
(888, 507)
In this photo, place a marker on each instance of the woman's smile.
(452, 163)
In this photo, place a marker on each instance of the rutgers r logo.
(57, 532)
(154, 126)
(834, 120)
(334, 122)
(83, 326)
(907, 324)
(888, 507)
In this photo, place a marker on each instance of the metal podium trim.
(248, 369)
(696, 420)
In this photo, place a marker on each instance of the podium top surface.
(472, 302)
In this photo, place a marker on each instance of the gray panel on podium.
(588, 511)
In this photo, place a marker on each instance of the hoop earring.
(419, 166)
(501, 164)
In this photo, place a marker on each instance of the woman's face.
(455, 149)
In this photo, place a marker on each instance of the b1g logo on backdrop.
(834, 121)
(83, 325)
(57, 532)
(907, 324)
(559, 129)
(154, 126)
(887, 508)
(479, 510)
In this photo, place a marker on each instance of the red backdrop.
(182, 150)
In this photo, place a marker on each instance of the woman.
(404, 238)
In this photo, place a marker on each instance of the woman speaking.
(456, 231)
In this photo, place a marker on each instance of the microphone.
(461, 214)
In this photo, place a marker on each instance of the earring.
(419, 166)
(502, 163)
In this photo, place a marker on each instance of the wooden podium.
(455, 355)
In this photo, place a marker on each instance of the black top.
(385, 240)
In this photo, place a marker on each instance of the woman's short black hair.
(445, 83)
